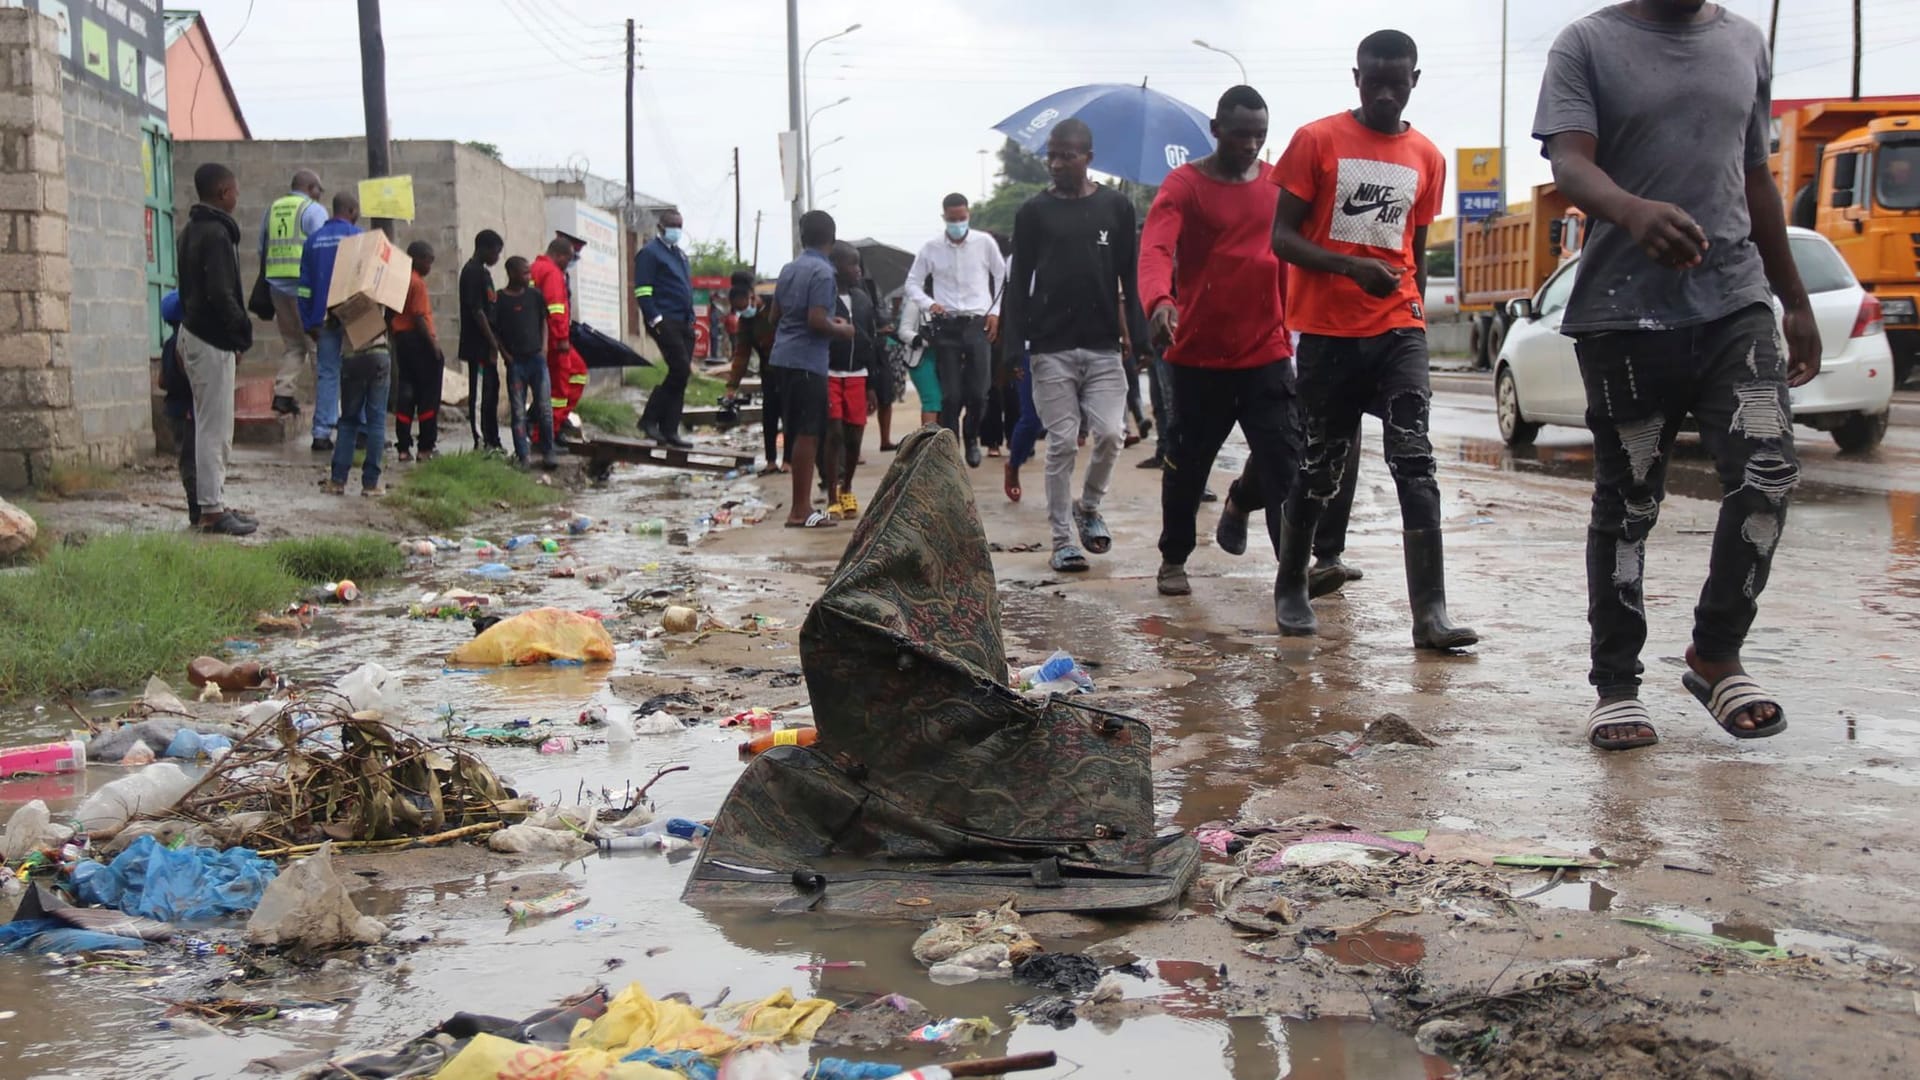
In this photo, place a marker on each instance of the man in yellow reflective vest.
(284, 229)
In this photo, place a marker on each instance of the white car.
(1536, 379)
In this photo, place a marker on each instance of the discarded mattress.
(934, 786)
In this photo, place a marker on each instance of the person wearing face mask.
(956, 283)
(753, 332)
(663, 283)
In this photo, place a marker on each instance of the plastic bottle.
(650, 527)
(550, 545)
(522, 541)
(760, 744)
(245, 675)
(580, 525)
(660, 842)
(346, 592)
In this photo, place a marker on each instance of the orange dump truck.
(1850, 170)
(1511, 256)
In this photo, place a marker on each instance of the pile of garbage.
(635, 1036)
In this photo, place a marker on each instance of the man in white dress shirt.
(956, 281)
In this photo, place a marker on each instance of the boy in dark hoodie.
(214, 330)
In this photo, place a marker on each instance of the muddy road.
(1805, 841)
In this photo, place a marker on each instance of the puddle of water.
(1577, 896)
(1391, 949)
(1785, 937)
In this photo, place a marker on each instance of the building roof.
(181, 20)
(601, 192)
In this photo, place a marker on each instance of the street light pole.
(809, 141)
(1504, 165)
(794, 114)
(1228, 55)
(805, 133)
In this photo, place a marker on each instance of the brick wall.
(457, 191)
(38, 426)
(106, 219)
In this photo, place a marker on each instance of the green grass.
(608, 414)
(113, 611)
(702, 390)
(453, 489)
(334, 558)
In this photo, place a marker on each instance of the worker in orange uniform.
(567, 373)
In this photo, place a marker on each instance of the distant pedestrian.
(214, 330)
(849, 364)
(1216, 295)
(752, 344)
(1072, 298)
(663, 283)
(284, 229)
(1655, 114)
(917, 356)
(177, 400)
(479, 349)
(315, 278)
(520, 328)
(563, 363)
(960, 316)
(1357, 192)
(804, 298)
(364, 374)
(417, 357)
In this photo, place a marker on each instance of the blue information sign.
(1479, 205)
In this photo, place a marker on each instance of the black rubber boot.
(1291, 607)
(1325, 579)
(1427, 593)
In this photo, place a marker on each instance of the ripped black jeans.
(1641, 384)
(1385, 375)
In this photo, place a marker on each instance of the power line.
(243, 27)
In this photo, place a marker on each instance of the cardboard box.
(370, 278)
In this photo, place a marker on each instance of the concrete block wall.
(108, 343)
(457, 192)
(38, 425)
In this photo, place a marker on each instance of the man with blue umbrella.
(1071, 294)
(1357, 192)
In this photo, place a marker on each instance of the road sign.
(1477, 175)
(1479, 205)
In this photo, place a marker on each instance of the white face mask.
(957, 230)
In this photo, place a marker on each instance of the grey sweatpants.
(1067, 385)
(210, 373)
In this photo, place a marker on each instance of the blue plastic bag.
(52, 936)
(189, 745)
(191, 884)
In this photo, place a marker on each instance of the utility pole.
(1773, 36)
(793, 114)
(757, 215)
(630, 52)
(1504, 166)
(1856, 50)
(373, 96)
(736, 204)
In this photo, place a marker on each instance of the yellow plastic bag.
(536, 637)
(783, 1019)
(635, 1021)
(489, 1057)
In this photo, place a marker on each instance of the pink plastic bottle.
(69, 755)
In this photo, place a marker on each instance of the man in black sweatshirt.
(215, 331)
(1070, 291)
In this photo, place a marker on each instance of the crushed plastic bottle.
(649, 527)
(522, 541)
(553, 904)
(580, 525)
(492, 570)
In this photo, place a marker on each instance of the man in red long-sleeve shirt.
(1213, 288)
(566, 372)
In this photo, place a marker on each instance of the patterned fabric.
(931, 777)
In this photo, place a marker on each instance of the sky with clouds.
(925, 79)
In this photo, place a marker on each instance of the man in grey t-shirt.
(1654, 114)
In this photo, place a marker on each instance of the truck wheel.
(1513, 426)
(1477, 344)
(1860, 432)
(1496, 339)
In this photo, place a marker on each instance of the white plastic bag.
(659, 722)
(308, 905)
(149, 791)
(369, 688)
(525, 839)
(26, 832)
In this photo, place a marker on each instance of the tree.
(492, 150)
(711, 258)
(1019, 167)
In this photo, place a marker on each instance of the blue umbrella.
(1138, 134)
